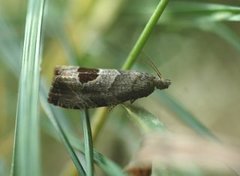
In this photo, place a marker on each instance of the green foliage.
(26, 158)
(145, 120)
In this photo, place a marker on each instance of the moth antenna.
(150, 62)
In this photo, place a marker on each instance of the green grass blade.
(26, 158)
(88, 145)
(186, 116)
(204, 11)
(146, 121)
(7, 52)
(60, 131)
(227, 34)
(101, 114)
(207, 17)
(145, 35)
(55, 115)
(109, 167)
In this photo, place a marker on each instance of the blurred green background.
(195, 44)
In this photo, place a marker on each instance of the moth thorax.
(161, 83)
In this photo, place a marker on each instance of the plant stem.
(101, 114)
(88, 144)
(98, 122)
(144, 35)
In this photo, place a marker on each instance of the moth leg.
(132, 100)
(110, 108)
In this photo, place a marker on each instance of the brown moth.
(79, 88)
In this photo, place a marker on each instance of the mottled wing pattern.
(66, 89)
(78, 88)
(131, 85)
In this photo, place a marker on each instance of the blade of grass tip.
(109, 167)
(88, 145)
(26, 154)
(146, 121)
(100, 116)
(60, 131)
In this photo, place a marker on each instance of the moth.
(79, 88)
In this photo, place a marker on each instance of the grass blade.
(60, 131)
(186, 116)
(205, 11)
(227, 34)
(54, 115)
(26, 157)
(109, 167)
(144, 119)
(101, 114)
(145, 35)
(88, 145)
(105, 164)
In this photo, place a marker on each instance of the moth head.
(161, 83)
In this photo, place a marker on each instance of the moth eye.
(57, 71)
(87, 74)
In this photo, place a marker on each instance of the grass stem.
(88, 144)
(101, 114)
